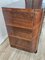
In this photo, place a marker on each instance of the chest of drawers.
(24, 27)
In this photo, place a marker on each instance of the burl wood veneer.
(23, 26)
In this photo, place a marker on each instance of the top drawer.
(24, 14)
(21, 17)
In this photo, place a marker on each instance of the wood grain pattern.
(20, 33)
(23, 26)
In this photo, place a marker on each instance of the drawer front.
(20, 33)
(21, 44)
(26, 14)
(22, 17)
(19, 17)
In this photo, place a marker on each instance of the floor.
(9, 53)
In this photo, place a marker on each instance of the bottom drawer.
(22, 44)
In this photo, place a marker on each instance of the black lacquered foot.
(35, 52)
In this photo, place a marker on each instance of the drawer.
(21, 24)
(20, 33)
(22, 17)
(19, 17)
(19, 13)
(11, 18)
(21, 44)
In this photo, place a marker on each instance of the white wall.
(5, 2)
(3, 32)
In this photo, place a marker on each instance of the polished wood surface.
(23, 26)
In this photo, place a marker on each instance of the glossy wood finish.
(23, 26)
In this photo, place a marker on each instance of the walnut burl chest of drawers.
(23, 27)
